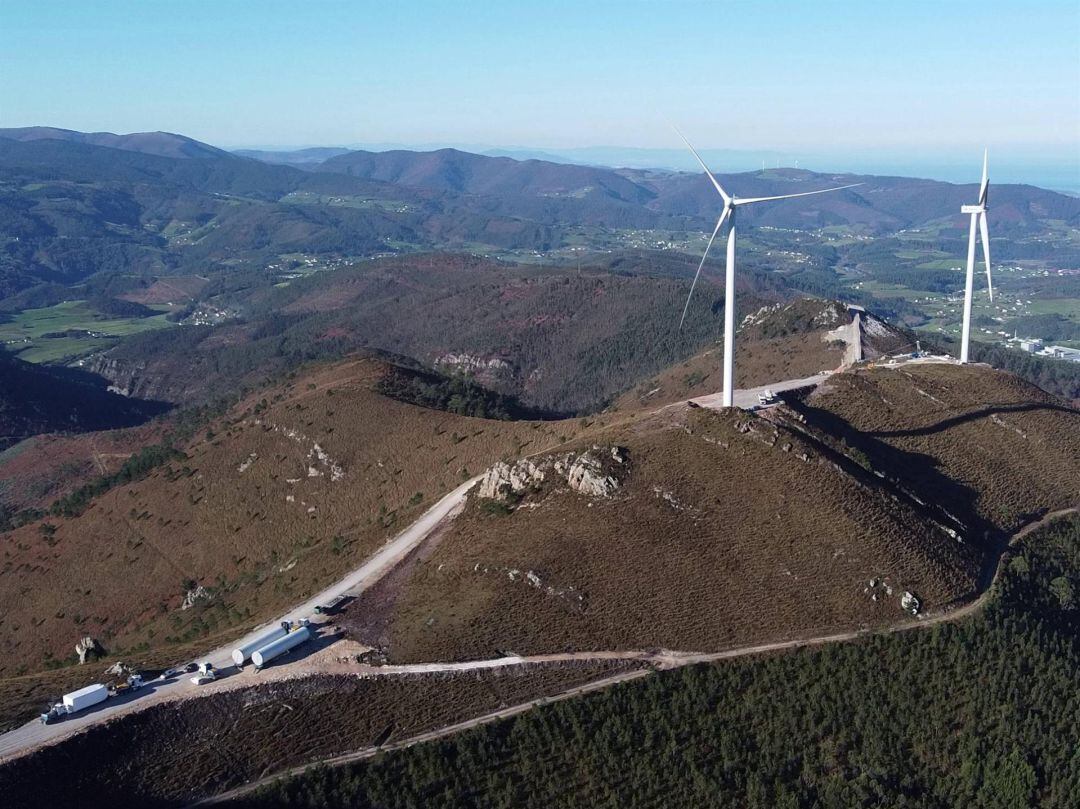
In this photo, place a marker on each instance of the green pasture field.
(23, 333)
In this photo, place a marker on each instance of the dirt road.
(34, 734)
(658, 660)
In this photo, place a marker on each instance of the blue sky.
(814, 78)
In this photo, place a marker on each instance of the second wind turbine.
(731, 203)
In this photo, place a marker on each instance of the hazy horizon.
(837, 78)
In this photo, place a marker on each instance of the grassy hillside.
(729, 528)
(979, 713)
(291, 488)
(991, 449)
(725, 530)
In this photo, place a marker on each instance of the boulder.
(87, 648)
(198, 594)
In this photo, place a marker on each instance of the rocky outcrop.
(88, 648)
(195, 596)
(596, 472)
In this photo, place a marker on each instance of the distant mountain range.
(300, 157)
(163, 144)
(76, 205)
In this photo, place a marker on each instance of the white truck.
(766, 398)
(76, 701)
(207, 674)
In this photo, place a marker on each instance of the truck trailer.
(76, 701)
(85, 697)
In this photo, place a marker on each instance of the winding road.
(656, 660)
(33, 735)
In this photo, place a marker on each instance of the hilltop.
(779, 341)
(723, 528)
(162, 144)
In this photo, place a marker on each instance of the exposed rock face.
(588, 473)
(503, 479)
(195, 596)
(87, 648)
(596, 472)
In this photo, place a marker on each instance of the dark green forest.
(984, 712)
(454, 394)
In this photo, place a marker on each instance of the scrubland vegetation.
(977, 713)
(160, 757)
(267, 503)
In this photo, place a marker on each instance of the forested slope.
(978, 713)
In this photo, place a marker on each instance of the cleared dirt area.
(727, 530)
(171, 754)
(178, 289)
(759, 362)
(289, 490)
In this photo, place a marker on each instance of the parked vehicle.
(207, 673)
(76, 701)
(334, 605)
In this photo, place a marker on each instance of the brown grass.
(718, 538)
(997, 451)
(260, 539)
(758, 362)
(36, 472)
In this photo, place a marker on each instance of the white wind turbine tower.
(728, 214)
(978, 219)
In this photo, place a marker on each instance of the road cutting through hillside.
(34, 735)
(656, 659)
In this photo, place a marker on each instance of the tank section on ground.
(242, 654)
(261, 657)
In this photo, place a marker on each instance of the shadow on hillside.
(954, 421)
(927, 488)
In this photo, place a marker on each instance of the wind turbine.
(978, 219)
(731, 203)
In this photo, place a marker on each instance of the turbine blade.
(748, 200)
(985, 180)
(716, 185)
(719, 222)
(984, 231)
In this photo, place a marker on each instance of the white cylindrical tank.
(241, 655)
(85, 697)
(260, 657)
